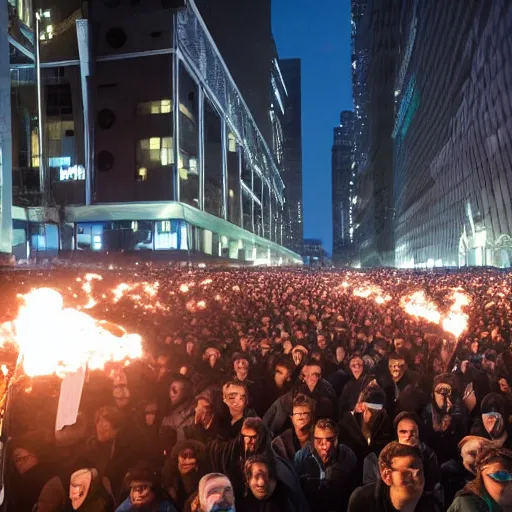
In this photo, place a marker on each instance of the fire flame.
(419, 306)
(52, 339)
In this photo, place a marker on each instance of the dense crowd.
(276, 390)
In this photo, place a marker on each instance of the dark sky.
(319, 34)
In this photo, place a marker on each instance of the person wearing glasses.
(400, 486)
(326, 469)
(491, 490)
(293, 439)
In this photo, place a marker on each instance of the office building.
(452, 135)
(292, 169)
(147, 143)
(343, 191)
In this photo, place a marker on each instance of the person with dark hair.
(180, 413)
(407, 428)
(145, 492)
(352, 389)
(293, 439)
(326, 469)
(206, 426)
(32, 472)
(400, 486)
(491, 490)
(235, 396)
(264, 493)
(183, 469)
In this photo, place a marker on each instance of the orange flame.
(52, 339)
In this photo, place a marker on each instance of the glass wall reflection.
(188, 139)
(213, 180)
(233, 180)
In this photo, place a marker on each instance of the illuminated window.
(155, 152)
(34, 143)
(231, 143)
(154, 107)
(142, 174)
(165, 226)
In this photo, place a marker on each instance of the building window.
(142, 174)
(155, 152)
(154, 107)
(58, 100)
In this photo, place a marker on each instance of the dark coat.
(279, 501)
(375, 498)
(287, 444)
(327, 488)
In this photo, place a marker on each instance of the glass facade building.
(147, 141)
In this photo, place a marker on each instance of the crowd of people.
(278, 390)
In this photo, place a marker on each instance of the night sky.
(319, 34)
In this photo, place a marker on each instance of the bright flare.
(419, 306)
(52, 339)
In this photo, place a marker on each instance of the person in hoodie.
(180, 413)
(444, 419)
(228, 457)
(326, 469)
(367, 428)
(183, 469)
(145, 492)
(206, 426)
(264, 493)
(352, 389)
(491, 490)
(493, 423)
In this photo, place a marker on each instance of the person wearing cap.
(326, 469)
(493, 423)
(367, 428)
(491, 490)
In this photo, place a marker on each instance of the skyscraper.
(292, 171)
(343, 188)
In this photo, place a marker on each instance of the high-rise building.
(292, 171)
(343, 188)
(145, 141)
(452, 135)
(377, 40)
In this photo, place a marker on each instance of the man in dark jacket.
(265, 493)
(229, 458)
(400, 486)
(326, 469)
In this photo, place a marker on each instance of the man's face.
(301, 417)
(187, 461)
(141, 493)
(259, 481)
(321, 342)
(443, 397)
(241, 366)
(340, 354)
(405, 477)
(356, 367)
(217, 495)
(493, 423)
(121, 396)
(250, 438)
(190, 347)
(281, 376)
(79, 486)
(311, 375)
(23, 460)
(177, 392)
(236, 399)
(397, 369)
(105, 431)
(469, 453)
(298, 356)
(324, 443)
(150, 412)
(504, 387)
(203, 412)
(408, 432)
